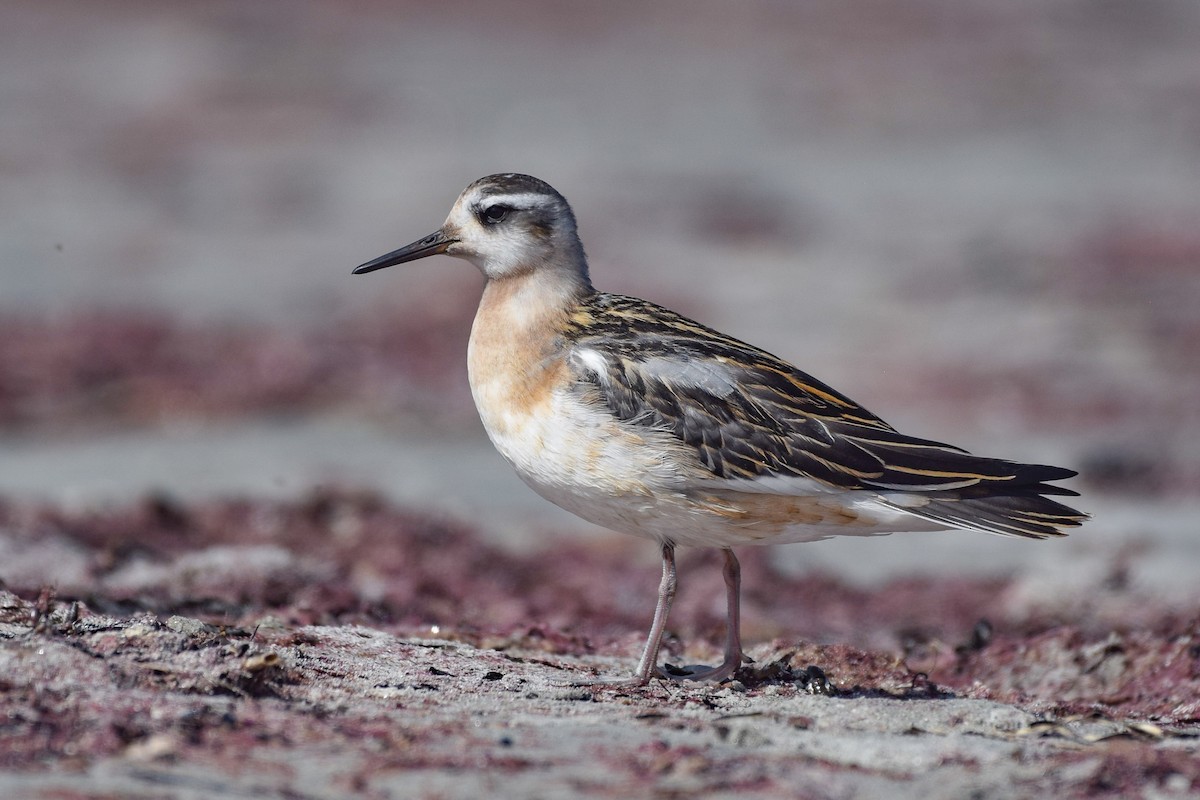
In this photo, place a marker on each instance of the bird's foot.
(693, 672)
(699, 672)
(597, 682)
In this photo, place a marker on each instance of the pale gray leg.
(648, 668)
(647, 665)
(733, 631)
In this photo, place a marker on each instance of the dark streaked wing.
(750, 416)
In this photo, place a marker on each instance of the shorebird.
(640, 420)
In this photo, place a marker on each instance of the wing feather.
(749, 416)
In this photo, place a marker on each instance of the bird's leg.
(733, 613)
(647, 664)
(733, 631)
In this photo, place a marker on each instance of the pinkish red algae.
(341, 557)
(137, 369)
(103, 668)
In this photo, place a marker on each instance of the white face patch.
(513, 245)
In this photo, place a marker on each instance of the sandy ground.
(340, 646)
(976, 219)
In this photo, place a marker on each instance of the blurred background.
(981, 220)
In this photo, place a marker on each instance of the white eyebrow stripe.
(523, 200)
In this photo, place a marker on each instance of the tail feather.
(1028, 515)
(985, 494)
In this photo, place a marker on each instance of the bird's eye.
(494, 214)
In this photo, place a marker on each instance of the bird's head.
(507, 225)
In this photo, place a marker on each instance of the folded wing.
(759, 424)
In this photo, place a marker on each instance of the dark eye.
(494, 214)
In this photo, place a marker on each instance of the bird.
(645, 422)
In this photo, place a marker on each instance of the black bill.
(431, 245)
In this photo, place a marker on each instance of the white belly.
(580, 458)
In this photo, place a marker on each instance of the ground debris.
(237, 633)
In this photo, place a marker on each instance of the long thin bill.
(431, 245)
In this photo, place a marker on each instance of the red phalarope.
(643, 421)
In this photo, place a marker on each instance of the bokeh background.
(979, 219)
